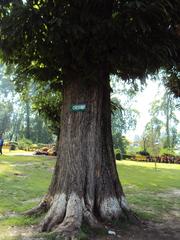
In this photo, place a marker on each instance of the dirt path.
(23, 153)
(148, 231)
(155, 231)
(169, 230)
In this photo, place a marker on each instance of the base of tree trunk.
(65, 217)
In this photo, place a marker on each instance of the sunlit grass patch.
(144, 176)
(8, 152)
(23, 179)
(144, 187)
(19, 220)
(149, 164)
(5, 168)
(23, 182)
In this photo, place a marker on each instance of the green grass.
(150, 191)
(24, 180)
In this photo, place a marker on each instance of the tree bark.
(85, 185)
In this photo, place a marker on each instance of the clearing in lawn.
(153, 194)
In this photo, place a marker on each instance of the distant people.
(1, 143)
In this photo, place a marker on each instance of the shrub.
(143, 153)
(117, 154)
(25, 144)
(127, 156)
(13, 145)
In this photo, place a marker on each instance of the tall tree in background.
(6, 109)
(168, 107)
(47, 102)
(19, 116)
(6, 101)
(153, 128)
(77, 45)
(124, 118)
(161, 128)
(151, 135)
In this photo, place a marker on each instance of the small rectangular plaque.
(78, 107)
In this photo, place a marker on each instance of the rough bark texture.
(85, 184)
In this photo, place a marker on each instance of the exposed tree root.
(43, 207)
(132, 217)
(66, 214)
(65, 217)
(56, 213)
(91, 220)
(129, 215)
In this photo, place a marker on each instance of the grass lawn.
(24, 180)
(151, 192)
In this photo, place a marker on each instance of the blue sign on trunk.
(78, 107)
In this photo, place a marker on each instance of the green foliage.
(166, 151)
(48, 39)
(172, 80)
(168, 108)
(120, 142)
(13, 145)
(117, 154)
(161, 130)
(17, 118)
(47, 103)
(6, 85)
(40, 130)
(123, 119)
(6, 109)
(25, 144)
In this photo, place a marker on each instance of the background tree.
(47, 103)
(123, 120)
(168, 107)
(19, 116)
(77, 45)
(6, 109)
(124, 116)
(162, 126)
(153, 128)
(152, 135)
(6, 102)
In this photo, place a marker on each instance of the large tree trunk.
(85, 184)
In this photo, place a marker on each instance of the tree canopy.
(129, 38)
